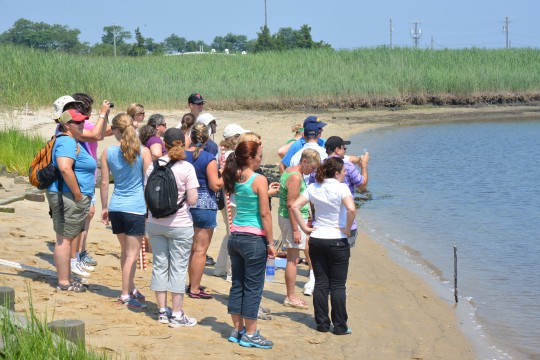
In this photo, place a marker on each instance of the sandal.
(297, 305)
(201, 295)
(263, 316)
(75, 287)
(188, 288)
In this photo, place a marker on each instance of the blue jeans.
(248, 261)
(330, 262)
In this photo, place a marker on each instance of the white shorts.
(287, 234)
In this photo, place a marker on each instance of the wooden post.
(71, 330)
(455, 275)
(7, 297)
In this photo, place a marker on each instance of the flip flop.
(300, 305)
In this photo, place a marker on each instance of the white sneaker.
(86, 267)
(77, 270)
(308, 288)
(228, 278)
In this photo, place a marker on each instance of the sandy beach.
(393, 313)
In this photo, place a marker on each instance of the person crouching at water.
(126, 161)
(329, 248)
(250, 243)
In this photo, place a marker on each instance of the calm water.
(476, 186)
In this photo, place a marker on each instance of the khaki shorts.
(287, 234)
(68, 216)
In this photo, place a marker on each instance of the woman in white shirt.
(328, 245)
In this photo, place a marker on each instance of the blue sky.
(343, 24)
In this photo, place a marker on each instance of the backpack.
(161, 192)
(42, 173)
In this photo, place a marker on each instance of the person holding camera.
(151, 133)
(81, 261)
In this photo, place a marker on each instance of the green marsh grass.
(17, 149)
(35, 341)
(268, 80)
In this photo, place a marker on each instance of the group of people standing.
(316, 210)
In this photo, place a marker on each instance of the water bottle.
(270, 270)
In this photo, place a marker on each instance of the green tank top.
(283, 192)
(247, 205)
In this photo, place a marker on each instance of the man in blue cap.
(298, 144)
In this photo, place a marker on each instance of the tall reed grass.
(17, 149)
(236, 81)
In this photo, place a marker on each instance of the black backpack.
(161, 192)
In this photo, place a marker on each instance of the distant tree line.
(114, 40)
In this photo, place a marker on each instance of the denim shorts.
(204, 218)
(127, 223)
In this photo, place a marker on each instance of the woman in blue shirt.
(69, 197)
(128, 162)
(205, 211)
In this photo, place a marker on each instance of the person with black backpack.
(127, 161)
(171, 186)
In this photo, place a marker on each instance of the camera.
(111, 104)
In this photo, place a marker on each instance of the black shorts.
(127, 223)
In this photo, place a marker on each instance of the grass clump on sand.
(17, 149)
(35, 341)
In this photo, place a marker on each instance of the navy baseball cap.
(314, 120)
(311, 129)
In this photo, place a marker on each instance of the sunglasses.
(164, 124)
(76, 122)
(344, 147)
(140, 113)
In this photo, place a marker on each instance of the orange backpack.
(42, 172)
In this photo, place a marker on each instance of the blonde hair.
(312, 156)
(134, 108)
(230, 143)
(129, 142)
(249, 136)
(199, 137)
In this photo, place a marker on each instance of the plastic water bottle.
(270, 270)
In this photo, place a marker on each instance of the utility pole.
(265, 18)
(432, 43)
(416, 33)
(391, 29)
(505, 29)
(114, 39)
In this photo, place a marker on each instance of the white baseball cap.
(205, 118)
(232, 130)
(60, 103)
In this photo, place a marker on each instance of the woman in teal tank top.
(292, 184)
(250, 243)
